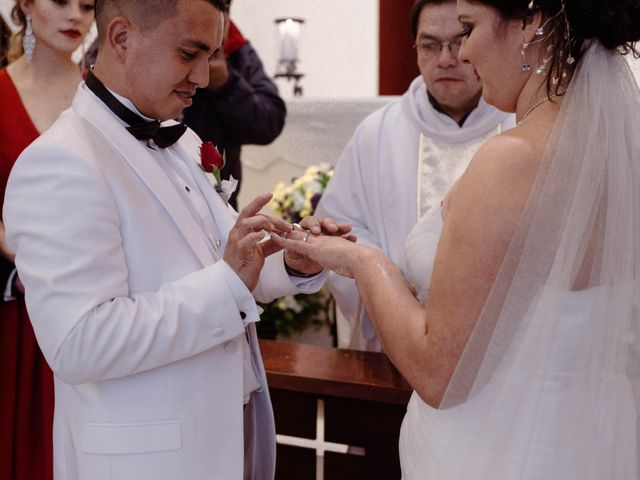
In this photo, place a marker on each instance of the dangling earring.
(84, 55)
(29, 40)
(523, 51)
(540, 37)
(539, 34)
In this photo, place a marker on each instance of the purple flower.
(315, 199)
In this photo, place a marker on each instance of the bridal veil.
(548, 385)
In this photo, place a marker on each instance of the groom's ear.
(120, 37)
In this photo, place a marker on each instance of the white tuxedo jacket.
(140, 324)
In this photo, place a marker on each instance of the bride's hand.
(311, 226)
(336, 253)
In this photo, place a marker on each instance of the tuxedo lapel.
(139, 158)
(222, 215)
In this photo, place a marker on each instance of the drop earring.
(84, 55)
(29, 40)
(523, 51)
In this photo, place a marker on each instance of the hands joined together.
(255, 236)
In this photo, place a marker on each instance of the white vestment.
(399, 164)
(142, 323)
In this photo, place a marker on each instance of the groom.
(140, 280)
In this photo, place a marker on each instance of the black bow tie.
(139, 127)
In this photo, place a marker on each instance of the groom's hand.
(246, 249)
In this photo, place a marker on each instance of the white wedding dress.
(467, 442)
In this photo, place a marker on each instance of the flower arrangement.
(287, 315)
(300, 198)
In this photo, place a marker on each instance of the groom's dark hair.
(145, 13)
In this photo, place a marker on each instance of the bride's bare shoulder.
(498, 180)
(504, 163)
(511, 153)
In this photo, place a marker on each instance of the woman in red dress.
(35, 88)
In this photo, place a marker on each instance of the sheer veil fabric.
(547, 387)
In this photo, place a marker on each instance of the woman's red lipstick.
(71, 33)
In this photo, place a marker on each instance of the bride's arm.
(425, 342)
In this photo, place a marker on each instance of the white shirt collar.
(129, 104)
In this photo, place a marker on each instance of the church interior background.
(356, 56)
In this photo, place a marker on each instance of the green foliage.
(293, 313)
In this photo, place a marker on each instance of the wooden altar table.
(338, 412)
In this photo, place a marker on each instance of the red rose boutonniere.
(210, 160)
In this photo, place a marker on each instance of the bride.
(521, 334)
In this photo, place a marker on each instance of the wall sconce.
(289, 34)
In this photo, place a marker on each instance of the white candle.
(289, 31)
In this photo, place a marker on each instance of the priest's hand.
(310, 227)
(247, 247)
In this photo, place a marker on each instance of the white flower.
(229, 186)
(298, 200)
(315, 187)
(312, 171)
(293, 201)
(280, 191)
(290, 303)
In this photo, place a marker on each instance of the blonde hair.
(15, 44)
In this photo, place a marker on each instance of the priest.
(404, 157)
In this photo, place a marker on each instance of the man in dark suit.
(241, 104)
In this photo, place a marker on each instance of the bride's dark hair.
(614, 23)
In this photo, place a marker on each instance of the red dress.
(26, 382)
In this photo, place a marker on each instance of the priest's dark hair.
(417, 10)
(146, 13)
(614, 23)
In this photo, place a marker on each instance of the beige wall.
(338, 43)
(5, 8)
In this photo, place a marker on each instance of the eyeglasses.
(430, 49)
